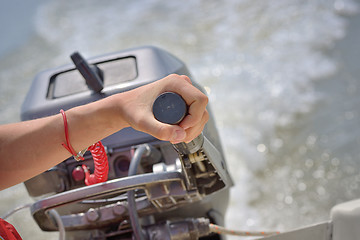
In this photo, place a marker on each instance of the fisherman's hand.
(137, 109)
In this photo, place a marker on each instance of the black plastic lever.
(91, 73)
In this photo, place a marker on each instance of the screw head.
(92, 215)
(119, 209)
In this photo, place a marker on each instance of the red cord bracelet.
(98, 153)
(78, 156)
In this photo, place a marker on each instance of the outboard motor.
(154, 190)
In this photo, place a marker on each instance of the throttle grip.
(171, 108)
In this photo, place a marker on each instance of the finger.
(186, 78)
(195, 131)
(163, 131)
(195, 112)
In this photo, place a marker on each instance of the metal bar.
(321, 231)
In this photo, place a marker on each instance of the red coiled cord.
(100, 164)
(98, 153)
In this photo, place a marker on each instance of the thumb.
(166, 132)
(178, 135)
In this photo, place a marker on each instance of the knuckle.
(186, 78)
(205, 99)
(174, 75)
(206, 116)
(202, 99)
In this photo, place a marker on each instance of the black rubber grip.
(169, 108)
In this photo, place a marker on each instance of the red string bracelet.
(98, 153)
(78, 156)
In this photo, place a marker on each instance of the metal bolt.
(119, 209)
(92, 215)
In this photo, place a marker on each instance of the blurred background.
(283, 79)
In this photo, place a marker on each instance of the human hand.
(92, 122)
(137, 109)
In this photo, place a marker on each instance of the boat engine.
(154, 190)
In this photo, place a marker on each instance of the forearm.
(95, 121)
(29, 148)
